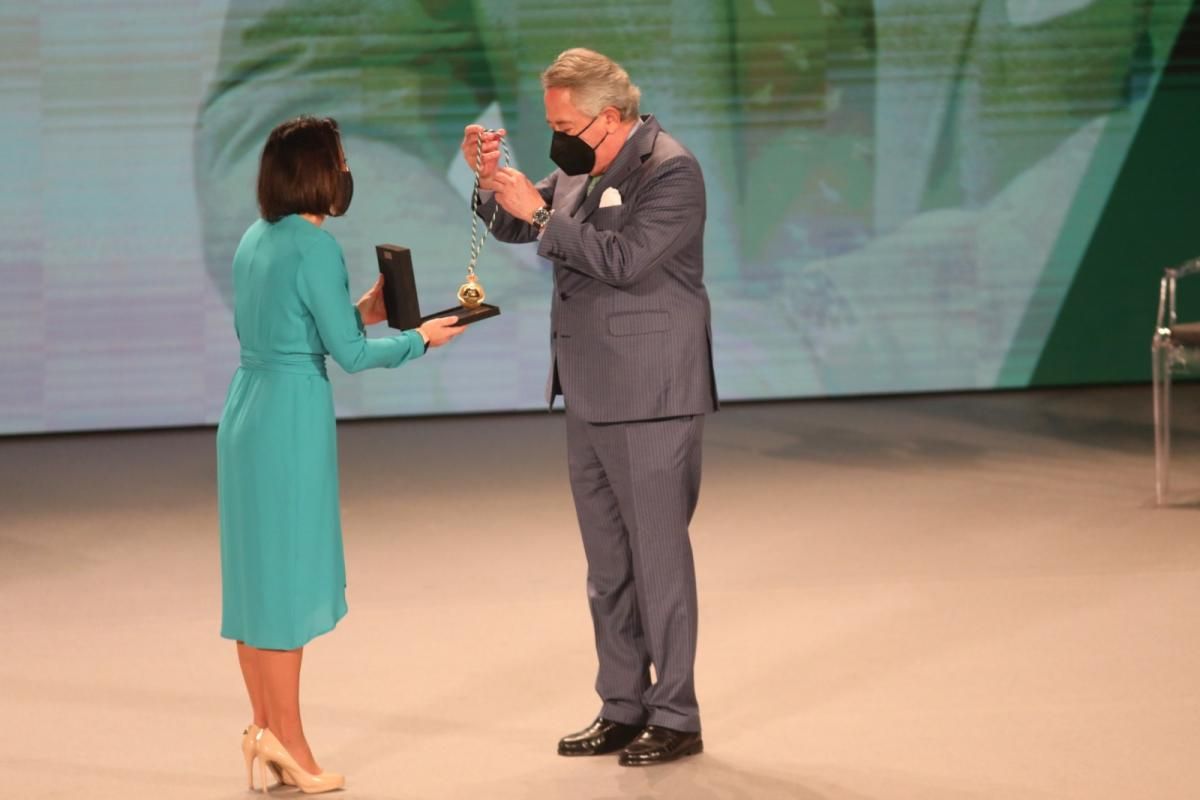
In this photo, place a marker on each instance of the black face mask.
(571, 153)
(344, 195)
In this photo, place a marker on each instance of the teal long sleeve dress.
(283, 576)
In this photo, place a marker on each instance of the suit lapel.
(573, 192)
(627, 161)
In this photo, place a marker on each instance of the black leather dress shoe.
(602, 736)
(658, 745)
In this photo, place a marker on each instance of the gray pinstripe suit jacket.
(631, 331)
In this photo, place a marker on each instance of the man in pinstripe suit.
(622, 220)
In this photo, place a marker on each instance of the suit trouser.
(635, 486)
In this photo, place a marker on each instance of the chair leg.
(1161, 367)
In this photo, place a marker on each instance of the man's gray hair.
(595, 82)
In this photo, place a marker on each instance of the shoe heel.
(248, 752)
(272, 752)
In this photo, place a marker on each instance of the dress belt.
(291, 363)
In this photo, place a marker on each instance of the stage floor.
(961, 596)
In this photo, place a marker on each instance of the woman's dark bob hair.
(300, 169)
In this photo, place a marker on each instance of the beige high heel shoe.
(271, 752)
(250, 752)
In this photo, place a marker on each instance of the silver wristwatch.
(541, 217)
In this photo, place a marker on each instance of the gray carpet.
(937, 597)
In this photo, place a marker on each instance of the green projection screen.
(904, 195)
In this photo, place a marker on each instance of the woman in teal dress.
(282, 572)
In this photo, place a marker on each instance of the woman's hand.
(440, 330)
(370, 306)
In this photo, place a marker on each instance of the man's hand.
(516, 194)
(491, 152)
(370, 305)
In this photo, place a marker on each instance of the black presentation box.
(400, 293)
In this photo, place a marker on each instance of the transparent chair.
(1174, 350)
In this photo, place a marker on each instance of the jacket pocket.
(607, 219)
(636, 323)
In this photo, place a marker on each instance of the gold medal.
(471, 293)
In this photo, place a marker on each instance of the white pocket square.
(610, 197)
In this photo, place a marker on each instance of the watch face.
(541, 217)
